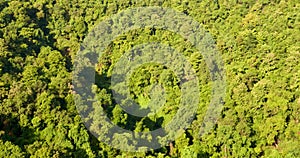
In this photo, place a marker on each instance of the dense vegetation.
(260, 46)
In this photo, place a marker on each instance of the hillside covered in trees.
(259, 43)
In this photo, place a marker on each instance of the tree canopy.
(258, 41)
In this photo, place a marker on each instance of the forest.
(258, 42)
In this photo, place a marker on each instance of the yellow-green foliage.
(259, 41)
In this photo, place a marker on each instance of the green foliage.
(259, 42)
(8, 149)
